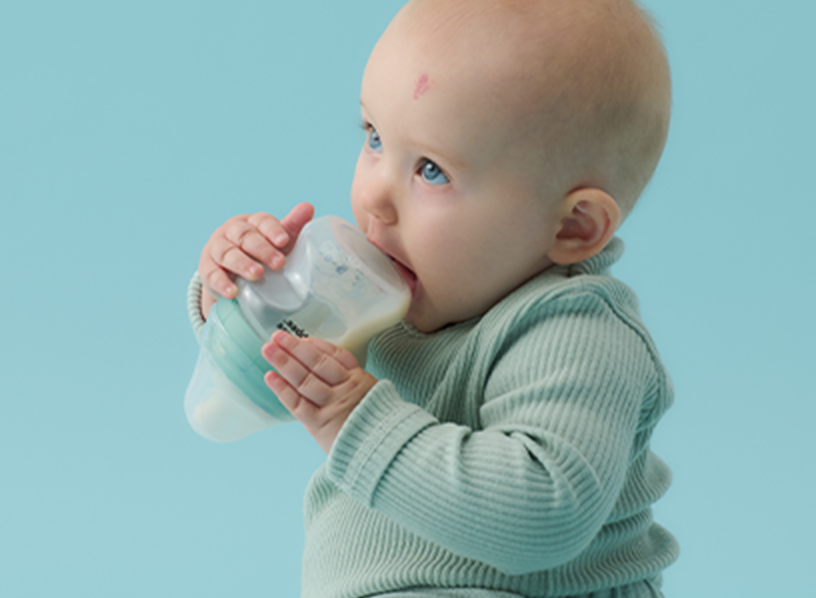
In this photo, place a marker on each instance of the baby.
(497, 445)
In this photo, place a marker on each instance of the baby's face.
(447, 182)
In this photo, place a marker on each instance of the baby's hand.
(320, 384)
(242, 246)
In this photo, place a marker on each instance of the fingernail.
(283, 338)
(229, 290)
(281, 239)
(277, 261)
(253, 271)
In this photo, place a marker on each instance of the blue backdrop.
(129, 131)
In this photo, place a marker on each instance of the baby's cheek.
(444, 264)
(360, 215)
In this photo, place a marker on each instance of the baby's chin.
(424, 319)
(429, 316)
(421, 314)
(421, 323)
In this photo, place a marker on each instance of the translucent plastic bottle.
(335, 285)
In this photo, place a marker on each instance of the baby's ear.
(588, 219)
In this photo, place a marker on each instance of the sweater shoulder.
(563, 294)
(575, 312)
(570, 288)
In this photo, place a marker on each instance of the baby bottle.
(335, 285)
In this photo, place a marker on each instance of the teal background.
(130, 131)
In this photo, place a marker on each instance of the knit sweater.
(509, 452)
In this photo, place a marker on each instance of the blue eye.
(431, 173)
(374, 142)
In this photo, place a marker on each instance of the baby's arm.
(242, 246)
(533, 488)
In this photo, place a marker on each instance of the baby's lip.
(408, 275)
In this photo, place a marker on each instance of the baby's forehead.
(543, 51)
(511, 47)
(471, 71)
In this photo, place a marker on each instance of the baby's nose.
(378, 199)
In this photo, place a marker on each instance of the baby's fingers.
(299, 406)
(265, 238)
(251, 243)
(271, 230)
(280, 234)
(295, 220)
(232, 258)
(309, 370)
(216, 281)
(341, 356)
(244, 244)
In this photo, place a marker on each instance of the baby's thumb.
(295, 220)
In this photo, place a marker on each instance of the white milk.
(223, 419)
(224, 414)
(356, 340)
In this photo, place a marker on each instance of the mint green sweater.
(509, 453)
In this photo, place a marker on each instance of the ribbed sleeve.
(532, 487)
(508, 453)
(382, 425)
(194, 305)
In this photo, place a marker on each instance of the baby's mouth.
(407, 274)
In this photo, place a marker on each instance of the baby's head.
(505, 136)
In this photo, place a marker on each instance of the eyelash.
(367, 127)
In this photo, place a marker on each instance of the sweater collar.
(599, 264)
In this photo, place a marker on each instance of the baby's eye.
(374, 141)
(431, 173)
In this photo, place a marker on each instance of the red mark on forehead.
(423, 85)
